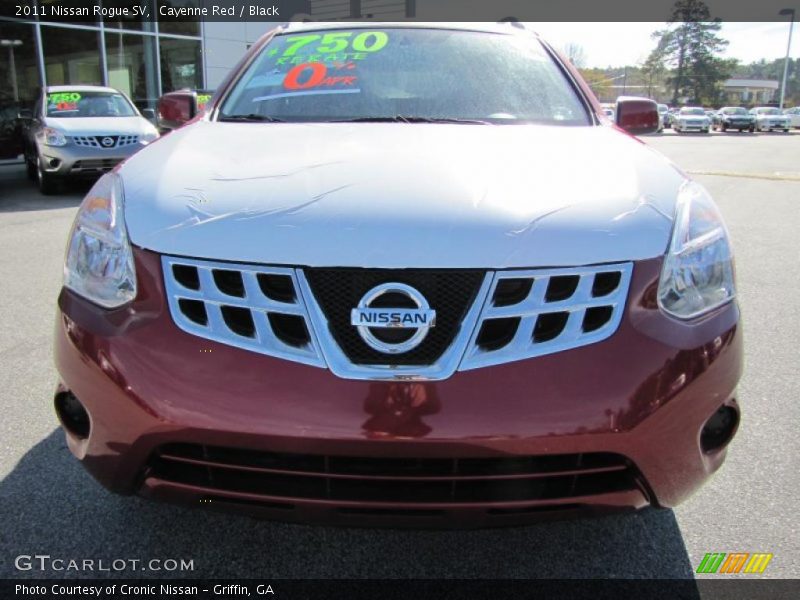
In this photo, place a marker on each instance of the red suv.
(401, 274)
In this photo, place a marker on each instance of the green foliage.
(688, 47)
(773, 69)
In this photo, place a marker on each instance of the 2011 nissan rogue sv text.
(406, 275)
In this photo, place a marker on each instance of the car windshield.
(734, 111)
(405, 75)
(693, 111)
(768, 111)
(662, 108)
(70, 104)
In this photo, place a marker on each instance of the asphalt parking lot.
(49, 505)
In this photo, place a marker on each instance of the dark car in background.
(11, 128)
(733, 117)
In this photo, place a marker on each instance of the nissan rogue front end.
(401, 274)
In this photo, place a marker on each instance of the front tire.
(47, 183)
(30, 167)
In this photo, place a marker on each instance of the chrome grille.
(96, 141)
(546, 311)
(252, 307)
(87, 141)
(515, 315)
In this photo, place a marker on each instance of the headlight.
(53, 137)
(698, 270)
(150, 135)
(99, 261)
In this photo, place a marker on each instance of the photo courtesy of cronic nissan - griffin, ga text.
(403, 275)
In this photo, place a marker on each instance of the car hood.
(100, 125)
(401, 195)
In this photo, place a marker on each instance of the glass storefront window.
(71, 56)
(135, 22)
(131, 63)
(179, 27)
(19, 72)
(181, 64)
(19, 79)
(20, 9)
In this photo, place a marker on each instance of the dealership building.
(142, 57)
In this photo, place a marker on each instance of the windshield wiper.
(410, 119)
(252, 117)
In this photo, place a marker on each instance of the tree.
(576, 54)
(653, 68)
(689, 46)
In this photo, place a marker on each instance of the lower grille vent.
(279, 476)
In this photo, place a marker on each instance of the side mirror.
(637, 115)
(149, 114)
(176, 109)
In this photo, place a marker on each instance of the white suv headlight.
(698, 270)
(53, 137)
(99, 261)
(150, 135)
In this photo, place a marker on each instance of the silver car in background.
(691, 118)
(794, 116)
(769, 118)
(81, 131)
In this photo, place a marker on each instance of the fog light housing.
(72, 414)
(719, 429)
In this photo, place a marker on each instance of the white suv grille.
(105, 141)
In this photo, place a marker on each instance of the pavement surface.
(49, 505)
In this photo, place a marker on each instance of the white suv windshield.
(405, 75)
(66, 104)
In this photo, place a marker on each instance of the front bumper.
(77, 161)
(740, 125)
(772, 125)
(269, 437)
(699, 126)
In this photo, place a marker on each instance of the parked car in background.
(80, 131)
(178, 107)
(417, 317)
(691, 118)
(663, 116)
(671, 115)
(733, 117)
(12, 124)
(794, 116)
(769, 118)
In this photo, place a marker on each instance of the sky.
(620, 44)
